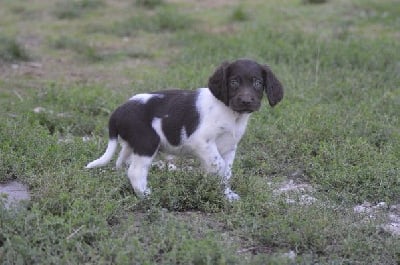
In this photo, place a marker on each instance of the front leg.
(215, 163)
(211, 159)
(137, 174)
(229, 157)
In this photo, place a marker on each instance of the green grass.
(337, 129)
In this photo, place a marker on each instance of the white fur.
(106, 157)
(214, 142)
(143, 98)
(124, 154)
(165, 146)
(223, 128)
(137, 174)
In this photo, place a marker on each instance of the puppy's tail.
(106, 157)
(111, 147)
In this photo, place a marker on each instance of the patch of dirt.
(14, 192)
(391, 214)
(295, 193)
(41, 72)
(301, 194)
(291, 186)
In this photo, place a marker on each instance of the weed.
(239, 14)
(11, 50)
(83, 49)
(65, 9)
(314, 1)
(149, 3)
(195, 192)
(171, 20)
(166, 18)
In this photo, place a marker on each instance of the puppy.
(207, 123)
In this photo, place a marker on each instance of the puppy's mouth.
(245, 109)
(243, 105)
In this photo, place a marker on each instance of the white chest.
(218, 123)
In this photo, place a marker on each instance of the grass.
(337, 130)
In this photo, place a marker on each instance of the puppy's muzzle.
(245, 103)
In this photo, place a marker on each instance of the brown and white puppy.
(208, 122)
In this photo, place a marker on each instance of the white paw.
(230, 195)
(147, 192)
(143, 194)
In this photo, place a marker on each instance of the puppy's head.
(240, 85)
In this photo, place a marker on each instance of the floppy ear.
(272, 86)
(217, 83)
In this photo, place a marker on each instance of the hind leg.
(137, 174)
(124, 154)
(144, 141)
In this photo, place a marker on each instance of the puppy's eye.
(234, 83)
(257, 84)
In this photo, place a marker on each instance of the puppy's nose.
(246, 100)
